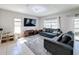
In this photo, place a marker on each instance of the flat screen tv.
(29, 22)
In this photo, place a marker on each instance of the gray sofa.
(63, 45)
(50, 33)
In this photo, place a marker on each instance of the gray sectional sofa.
(50, 33)
(63, 45)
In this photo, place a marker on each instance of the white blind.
(51, 23)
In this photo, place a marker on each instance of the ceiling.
(46, 9)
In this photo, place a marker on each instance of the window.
(76, 26)
(51, 23)
(17, 26)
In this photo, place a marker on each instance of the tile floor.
(76, 45)
(36, 44)
(76, 48)
(20, 48)
(15, 48)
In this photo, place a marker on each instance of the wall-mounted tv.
(29, 22)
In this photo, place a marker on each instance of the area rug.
(36, 44)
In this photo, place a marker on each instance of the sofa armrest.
(60, 44)
(58, 48)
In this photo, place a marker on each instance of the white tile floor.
(14, 48)
(19, 48)
(36, 44)
(76, 47)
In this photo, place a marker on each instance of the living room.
(47, 22)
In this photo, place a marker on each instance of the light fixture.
(38, 9)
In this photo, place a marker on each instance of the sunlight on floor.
(15, 48)
(22, 40)
(76, 45)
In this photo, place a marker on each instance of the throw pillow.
(71, 43)
(65, 38)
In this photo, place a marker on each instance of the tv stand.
(31, 32)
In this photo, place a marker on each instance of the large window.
(17, 26)
(51, 23)
(76, 26)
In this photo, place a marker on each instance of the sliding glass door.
(76, 28)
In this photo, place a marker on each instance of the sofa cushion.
(49, 35)
(43, 29)
(71, 34)
(70, 43)
(55, 32)
(51, 30)
(47, 30)
(65, 38)
(60, 37)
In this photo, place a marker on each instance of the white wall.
(7, 20)
(66, 20)
(67, 24)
